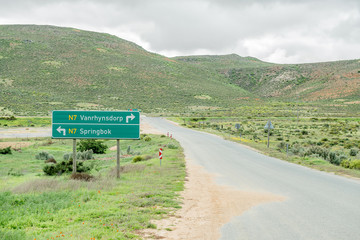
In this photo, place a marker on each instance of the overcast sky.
(281, 31)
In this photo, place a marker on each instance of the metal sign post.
(268, 126)
(118, 158)
(74, 155)
(238, 127)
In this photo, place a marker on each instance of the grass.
(26, 122)
(35, 206)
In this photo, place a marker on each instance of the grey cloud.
(272, 29)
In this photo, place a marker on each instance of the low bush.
(297, 149)
(137, 159)
(12, 172)
(147, 139)
(64, 167)
(43, 156)
(96, 146)
(6, 150)
(50, 160)
(345, 163)
(355, 164)
(86, 155)
(336, 157)
(322, 152)
(82, 177)
(172, 146)
(281, 146)
(354, 152)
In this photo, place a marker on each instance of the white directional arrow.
(131, 118)
(59, 129)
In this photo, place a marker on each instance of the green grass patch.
(41, 207)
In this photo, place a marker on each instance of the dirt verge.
(206, 207)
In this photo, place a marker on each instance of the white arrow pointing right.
(131, 118)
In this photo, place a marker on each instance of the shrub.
(172, 146)
(322, 152)
(297, 150)
(355, 164)
(348, 145)
(137, 159)
(50, 160)
(6, 150)
(64, 167)
(95, 145)
(50, 169)
(67, 156)
(15, 173)
(147, 139)
(304, 132)
(86, 155)
(354, 152)
(332, 157)
(43, 156)
(82, 177)
(336, 158)
(345, 164)
(281, 146)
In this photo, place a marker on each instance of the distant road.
(318, 205)
(24, 132)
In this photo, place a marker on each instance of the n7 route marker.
(96, 124)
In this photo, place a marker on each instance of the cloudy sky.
(281, 31)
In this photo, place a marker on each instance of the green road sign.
(96, 124)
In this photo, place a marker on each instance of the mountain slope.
(314, 81)
(43, 68)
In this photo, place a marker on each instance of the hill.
(43, 68)
(311, 82)
(314, 81)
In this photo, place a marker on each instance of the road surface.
(24, 132)
(318, 205)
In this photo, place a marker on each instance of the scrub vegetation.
(329, 144)
(45, 68)
(91, 205)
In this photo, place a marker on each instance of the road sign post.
(96, 125)
(74, 155)
(268, 126)
(118, 158)
(238, 127)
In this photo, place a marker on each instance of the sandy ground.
(15, 145)
(206, 206)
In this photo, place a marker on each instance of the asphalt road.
(318, 205)
(24, 132)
